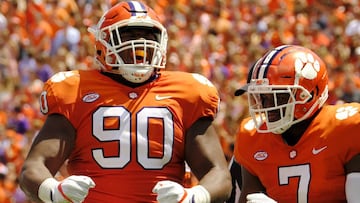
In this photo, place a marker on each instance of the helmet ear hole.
(303, 95)
(314, 94)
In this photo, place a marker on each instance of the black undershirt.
(295, 132)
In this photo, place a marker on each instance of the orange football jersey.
(313, 169)
(128, 139)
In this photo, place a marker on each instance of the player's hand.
(172, 192)
(259, 198)
(71, 189)
(169, 192)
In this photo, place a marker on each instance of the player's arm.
(205, 157)
(250, 184)
(235, 171)
(50, 149)
(352, 183)
(207, 161)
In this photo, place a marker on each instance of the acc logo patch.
(261, 155)
(91, 97)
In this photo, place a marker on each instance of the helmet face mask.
(130, 41)
(129, 48)
(287, 85)
(273, 105)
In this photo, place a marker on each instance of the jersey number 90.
(122, 135)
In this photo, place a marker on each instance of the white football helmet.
(134, 59)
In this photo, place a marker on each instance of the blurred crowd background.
(220, 39)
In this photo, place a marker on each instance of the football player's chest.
(314, 153)
(124, 127)
(300, 169)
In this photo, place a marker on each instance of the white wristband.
(46, 189)
(198, 194)
(352, 185)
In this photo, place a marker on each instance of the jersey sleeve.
(347, 125)
(244, 135)
(59, 94)
(246, 127)
(202, 99)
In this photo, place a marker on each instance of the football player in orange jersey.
(128, 129)
(295, 149)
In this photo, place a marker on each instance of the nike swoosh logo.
(317, 151)
(158, 97)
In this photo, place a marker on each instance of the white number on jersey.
(302, 172)
(122, 135)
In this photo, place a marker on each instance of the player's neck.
(295, 132)
(118, 78)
